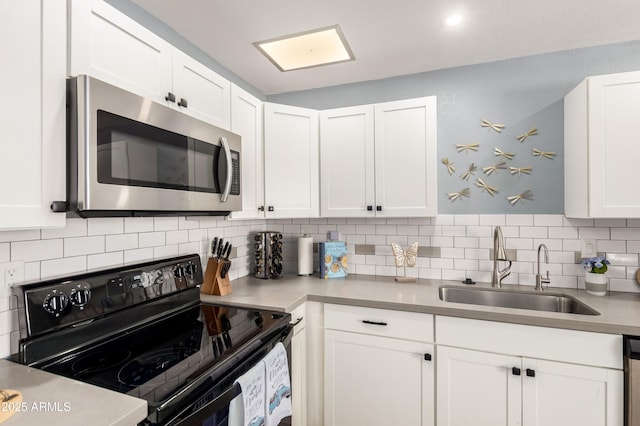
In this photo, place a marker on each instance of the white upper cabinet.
(107, 44)
(600, 126)
(347, 184)
(33, 126)
(380, 160)
(290, 161)
(246, 120)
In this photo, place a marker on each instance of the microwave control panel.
(235, 173)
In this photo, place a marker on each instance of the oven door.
(213, 399)
(130, 154)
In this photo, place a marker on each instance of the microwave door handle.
(227, 183)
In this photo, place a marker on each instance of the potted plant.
(595, 277)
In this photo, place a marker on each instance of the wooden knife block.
(213, 282)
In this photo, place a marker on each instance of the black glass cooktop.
(154, 361)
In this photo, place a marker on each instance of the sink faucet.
(539, 278)
(498, 256)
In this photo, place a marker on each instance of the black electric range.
(141, 330)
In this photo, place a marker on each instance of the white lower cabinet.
(486, 387)
(299, 368)
(374, 376)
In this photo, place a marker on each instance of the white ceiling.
(391, 38)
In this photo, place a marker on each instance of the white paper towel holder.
(305, 255)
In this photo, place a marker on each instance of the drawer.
(297, 317)
(379, 322)
(571, 346)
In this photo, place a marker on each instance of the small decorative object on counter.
(268, 254)
(404, 258)
(305, 255)
(216, 278)
(595, 278)
(10, 403)
(333, 259)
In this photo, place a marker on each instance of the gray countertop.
(52, 400)
(619, 312)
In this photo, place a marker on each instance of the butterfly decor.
(404, 258)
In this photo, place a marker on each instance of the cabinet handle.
(369, 208)
(182, 103)
(515, 371)
(261, 208)
(378, 208)
(427, 357)
(170, 97)
(531, 373)
(271, 208)
(374, 322)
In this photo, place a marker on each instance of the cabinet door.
(559, 394)
(347, 162)
(107, 44)
(614, 108)
(201, 92)
(298, 377)
(246, 120)
(477, 388)
(405, 152)
(33, 111)
(372, 380)
(291, 161)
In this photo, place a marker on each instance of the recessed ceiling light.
(453, 20)
(308, 49)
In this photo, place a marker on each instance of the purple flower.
(596, 265)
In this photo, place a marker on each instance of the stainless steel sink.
(549, 302)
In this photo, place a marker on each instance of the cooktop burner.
(145, 367)
(100, 360)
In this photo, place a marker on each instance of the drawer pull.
(515, 371)
(427, 357)
(531, 373)
(374, 322)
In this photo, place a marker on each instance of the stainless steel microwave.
(131, 156)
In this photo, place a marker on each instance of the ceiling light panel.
(309, 49)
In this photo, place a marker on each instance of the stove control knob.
(55, 303)
(80, 296)
(191, 269)
(178, 272)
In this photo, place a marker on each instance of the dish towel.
(278, 385)
(248, 408)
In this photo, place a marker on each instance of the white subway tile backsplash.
(454, 231)
(611, 246)
(165, 224)
(623, 259)
(74, 228)
(121, 242)
(547, 220)
(587, 233)
(37, 250)
(104, 226)
(193, 222)
(11, 236)
(166, 251)
(138, 255)
(151, 239)
(138, 224)
(466, 219)
(103, 260)
(376, 239)
(625, 233)
(519, 220)
(84, 245)
(64, 266)
(535, 232)
(611, 223)
(466, 242)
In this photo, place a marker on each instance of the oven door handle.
(213, 407)
(229, 165)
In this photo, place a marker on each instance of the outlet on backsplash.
(10, 273)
